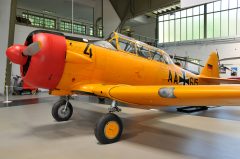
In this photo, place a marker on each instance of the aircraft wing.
(212, 80)
(197, 95)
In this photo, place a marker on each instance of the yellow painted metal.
(133, 79)
(111, 130)
(178, 95)
(211, 68)
(112, 67)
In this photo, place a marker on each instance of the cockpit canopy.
(130, 45)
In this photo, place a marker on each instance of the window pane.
(224, 4)
(160, 32)
(167, 59)
(233, 4)
(158, 57)
(189, 28)
(178, 31)
(166, 31)
(232, 22)
(210, 25)
(177, 14)
(224, 23)
(217, 6)
(130, 48)
(113, 42)
(238, 22)
(202, 9)
(160, 18)
(172, 31)
(217, 25)
(183, 29)
(201, 26)
(196, 27)
(209, 7)
(196, 10)
(166, 17)
(100, 32)
(144, 52)
(183, 13)
(122, 44)
(172, 16)
(152, 53)
(91, 31)
(189, 12)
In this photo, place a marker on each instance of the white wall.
(189, 3)
(98, 11)
(5, 6)
(110, 18)
(147, 30)
(202, 51)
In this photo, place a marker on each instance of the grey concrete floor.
(28, 131)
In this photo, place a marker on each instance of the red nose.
(46, 67)
(41, 60)
(14, 54)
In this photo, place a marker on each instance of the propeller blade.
(32, 49)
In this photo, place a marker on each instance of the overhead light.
(167, 9)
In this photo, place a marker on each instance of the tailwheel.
(62, 110)
(108, 129)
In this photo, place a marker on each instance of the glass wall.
(77, 28)
(213, 20)
(78, 17)
(37, 20)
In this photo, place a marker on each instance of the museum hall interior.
(95, 79)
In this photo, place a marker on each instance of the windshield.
(130, 45)
(167, 58)
(104, 44)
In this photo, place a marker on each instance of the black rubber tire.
(100, 126)
(58, 105)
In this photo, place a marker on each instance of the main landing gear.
(109, 127)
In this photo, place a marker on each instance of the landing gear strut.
(62, 110)
(109, 127)
(114, 108)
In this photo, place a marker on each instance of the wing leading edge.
(201, 95)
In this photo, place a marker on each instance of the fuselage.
(89, 64)
(61, 63)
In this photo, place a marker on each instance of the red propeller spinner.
(41, 59)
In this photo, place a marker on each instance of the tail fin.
(211, 68)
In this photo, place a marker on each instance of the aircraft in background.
(120, 68)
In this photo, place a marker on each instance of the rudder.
(211, 68)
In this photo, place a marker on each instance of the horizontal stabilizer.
(216, 81)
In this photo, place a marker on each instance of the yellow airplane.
(120, 68)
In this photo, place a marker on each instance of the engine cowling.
(44, 68)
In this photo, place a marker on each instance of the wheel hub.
(111, 129)
(63, 112)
